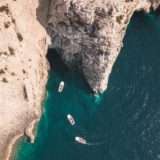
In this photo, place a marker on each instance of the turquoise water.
(121, 124)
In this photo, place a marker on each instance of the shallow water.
(121, 124)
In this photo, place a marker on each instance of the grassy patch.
(119, 19)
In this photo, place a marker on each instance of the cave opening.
(58, 65)
(63, 71)
(54, 59)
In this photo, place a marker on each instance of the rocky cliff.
(86, 33)
(23, 70)
(89, 34)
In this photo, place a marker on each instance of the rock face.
(89, 34)
(23, 70)
(86, 33)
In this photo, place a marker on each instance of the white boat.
(80, 140)
(61, 86)
(71, 120)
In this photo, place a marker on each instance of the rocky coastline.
(87, 34)
(23, 71)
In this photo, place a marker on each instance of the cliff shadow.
(56, 63)
(70, 75)
(42, 12)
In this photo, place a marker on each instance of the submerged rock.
(89, 34)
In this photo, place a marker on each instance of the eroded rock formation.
(86, 33)
(23, 70)
(89, 34)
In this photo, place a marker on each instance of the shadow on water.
(133, 92)
(62, 71)
(56, 63)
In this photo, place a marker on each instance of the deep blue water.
(123, 123)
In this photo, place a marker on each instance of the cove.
(121, 124)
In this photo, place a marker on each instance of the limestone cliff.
(23, 70)
(86, 33)
(89, 34)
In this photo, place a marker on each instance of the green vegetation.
(119, 19)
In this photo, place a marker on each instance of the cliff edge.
(89, 34)
(23, 70)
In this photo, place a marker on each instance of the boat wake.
(84, 141)
(95, 143)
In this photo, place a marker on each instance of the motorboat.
(61, 86)
(71, 120)
(80, 140)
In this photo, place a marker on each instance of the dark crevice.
(157, 11)
(62, 70)
(25, 93)
(54, 59)
(42, 12)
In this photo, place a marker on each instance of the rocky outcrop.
(86, 33)
(23, 70)
(89, 34)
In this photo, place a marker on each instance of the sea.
(123, 123)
